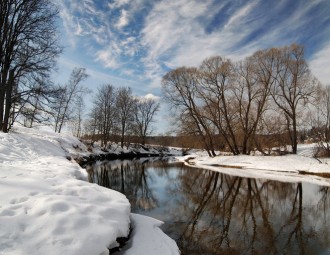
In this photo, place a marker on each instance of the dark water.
(208, 212)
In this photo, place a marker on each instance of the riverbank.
(287, 168)
(48, 207)
(114, 152)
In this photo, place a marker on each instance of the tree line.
(117, 112)
(237, 103)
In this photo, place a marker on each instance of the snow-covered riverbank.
(48, 207)
(289, 168)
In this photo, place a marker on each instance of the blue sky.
(134, 43)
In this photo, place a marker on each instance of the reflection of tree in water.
(324, 202)
(127, 177)
(214, 213)
(233, 215)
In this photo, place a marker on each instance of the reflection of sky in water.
(214, 213)
(311, 193)
(161, 186)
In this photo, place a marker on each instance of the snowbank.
(46, 204)
(147, 238)
(301, 167)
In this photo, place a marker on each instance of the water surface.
(208, 212)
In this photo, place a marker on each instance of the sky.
(134, 43)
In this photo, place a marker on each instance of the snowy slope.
(47, 207)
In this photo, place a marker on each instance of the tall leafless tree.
(103, 114)
(319, 121)
(145, 111)
(253, 81)
(321, 114)
(78, 117)
(216, 91)
(72, 93)
(28, 48)
(294, 87)
(180, 89)
(125, 106)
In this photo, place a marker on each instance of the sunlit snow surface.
(146, 231)
(47, 207)
(281, 168)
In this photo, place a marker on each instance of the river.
(208, 212)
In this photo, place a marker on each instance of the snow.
(48, 207)
(286, 168)
(146, 231)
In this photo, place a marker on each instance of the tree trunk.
(3, 85)
(294, 136)
(2, 102)
(122, 139)
(244, 145)
(9, 89)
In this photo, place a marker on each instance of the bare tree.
(180, 88)
(322, 117)
(253, 81)
(294, 87)
(125, 106)
(28, 48)
(78, 117)
(72, 93)
(103, 114)
(319, 121)
(145, 111)
(216, 91)
(92, 124)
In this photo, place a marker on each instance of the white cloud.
(118, 3)
(150, 96)
(79, 30)
(97, 77)
(123, 19)
(320, 64)
(174, 32)
(174, 35)
(191, 9)
(108, 57)
(102, 78)
(69, 23)
(169, 22)
(170, 26)
(240, 14)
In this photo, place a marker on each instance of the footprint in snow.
(7, 212)
(19, 200)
